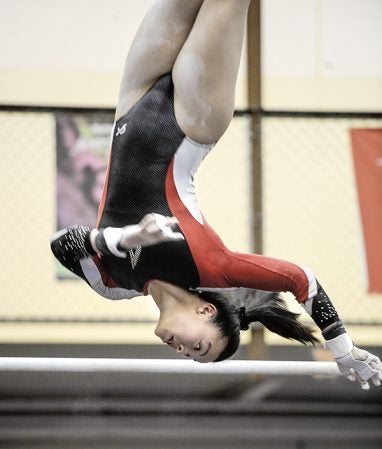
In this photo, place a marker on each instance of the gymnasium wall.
(72, 54)
(320, 55)
(324, 56)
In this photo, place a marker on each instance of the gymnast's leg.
(206, 69)
(155, 48)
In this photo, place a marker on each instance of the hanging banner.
(367, 156)
(82, 149)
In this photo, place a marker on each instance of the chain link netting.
(311, 208)
(30, 285)
(310, 213)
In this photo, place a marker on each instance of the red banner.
(367, 156)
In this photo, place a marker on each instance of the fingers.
(353, 376)
(173, 236)
(350, 375)
(165, 223)
(166, 234)
(158, 228)
(377, 379)
(159, 220)
(172, 221)
(376, 365)
(362, 366)
(364, 383)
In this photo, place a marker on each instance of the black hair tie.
(243, 318)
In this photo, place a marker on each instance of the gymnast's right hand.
(151, 230)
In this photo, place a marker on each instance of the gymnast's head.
(202, 326)
(205, 325)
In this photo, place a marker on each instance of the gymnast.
(176, 101)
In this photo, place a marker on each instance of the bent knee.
(204, 123)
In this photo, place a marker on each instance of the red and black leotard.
(151, 169)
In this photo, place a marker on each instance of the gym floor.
(115, 411)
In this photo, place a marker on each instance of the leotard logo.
(134, 255)
(121, 130)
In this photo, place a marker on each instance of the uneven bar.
(167, 366)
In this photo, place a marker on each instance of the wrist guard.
(108, 240)
(333, 330)
(323, 312)
(340, 346)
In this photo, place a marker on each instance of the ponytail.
(267, 308)
(275, 316)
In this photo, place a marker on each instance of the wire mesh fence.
(310, 213)
(311, 206)
(31, 174)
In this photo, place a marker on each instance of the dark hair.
(226, 320)
(267, 308)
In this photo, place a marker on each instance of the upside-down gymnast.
(176, 100)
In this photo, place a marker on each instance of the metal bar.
(253, 110)
(167, 366)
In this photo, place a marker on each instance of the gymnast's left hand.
(152, 229)
(362, 366)
(355, 363)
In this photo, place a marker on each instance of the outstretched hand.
(156, 228)
(152, 229)
(362, 366)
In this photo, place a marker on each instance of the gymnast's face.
(191, 333)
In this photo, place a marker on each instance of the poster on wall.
(82, 149)
(367, 157)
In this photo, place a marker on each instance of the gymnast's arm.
(80, 249)
(354, 363)
(73, 249)
(152, 229)
(265, 273)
